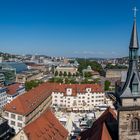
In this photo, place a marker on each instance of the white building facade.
(71, 98)
(3, 97)
(11, 95)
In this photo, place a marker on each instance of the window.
(135, 88)
(21, 138)
(20, 118)
(13, 116)
(133, 54)
(12, 123)
(135, 124)
(19, 124)
(6, 114)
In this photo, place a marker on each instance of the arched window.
(135, 124)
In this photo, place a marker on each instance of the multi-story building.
(5, 130)
(27, 107)
(14, 91)
(3, 97)
(29, 75)
(66, 68)
(46, 127)
(40, 67)
(114, 73)
(2, 79)
(78, 95)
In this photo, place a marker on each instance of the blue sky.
(83, 28)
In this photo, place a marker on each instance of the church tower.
(129, 110)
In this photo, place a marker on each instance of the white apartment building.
(14, 91)
(76, 96)
(3, 97)
(27, 107)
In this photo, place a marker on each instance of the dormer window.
(133, 54)
(88, 89)
(69, 91)
(135, 88)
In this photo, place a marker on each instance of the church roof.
(133, 73)
(134, 37)
(104, 128)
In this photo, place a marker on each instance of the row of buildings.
(31, 108)
(27, 107)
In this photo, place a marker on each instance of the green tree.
(69, 74)
(77, 74)
(60, 73)
(74, 75)
(83, 64)
(31, 84)
(65, 74)
(88, 74)
(56, 73)
(107, 85)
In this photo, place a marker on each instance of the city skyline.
(72, 28)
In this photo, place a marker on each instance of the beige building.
(40, 67)
(114, 73)
(28, 76)
(67, 69)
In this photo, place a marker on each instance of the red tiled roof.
(101, 128)
(27, 102)
(12, 89)
(46, 127)
(77, 88)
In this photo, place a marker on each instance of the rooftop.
(104, 128)
(26, 103)
(12, 89)
(46, 127)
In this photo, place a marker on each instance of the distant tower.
(129, 110)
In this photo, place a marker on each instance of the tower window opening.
(133, 54)
(135, 124)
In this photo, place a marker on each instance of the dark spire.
(134, 37)
(131, 87)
